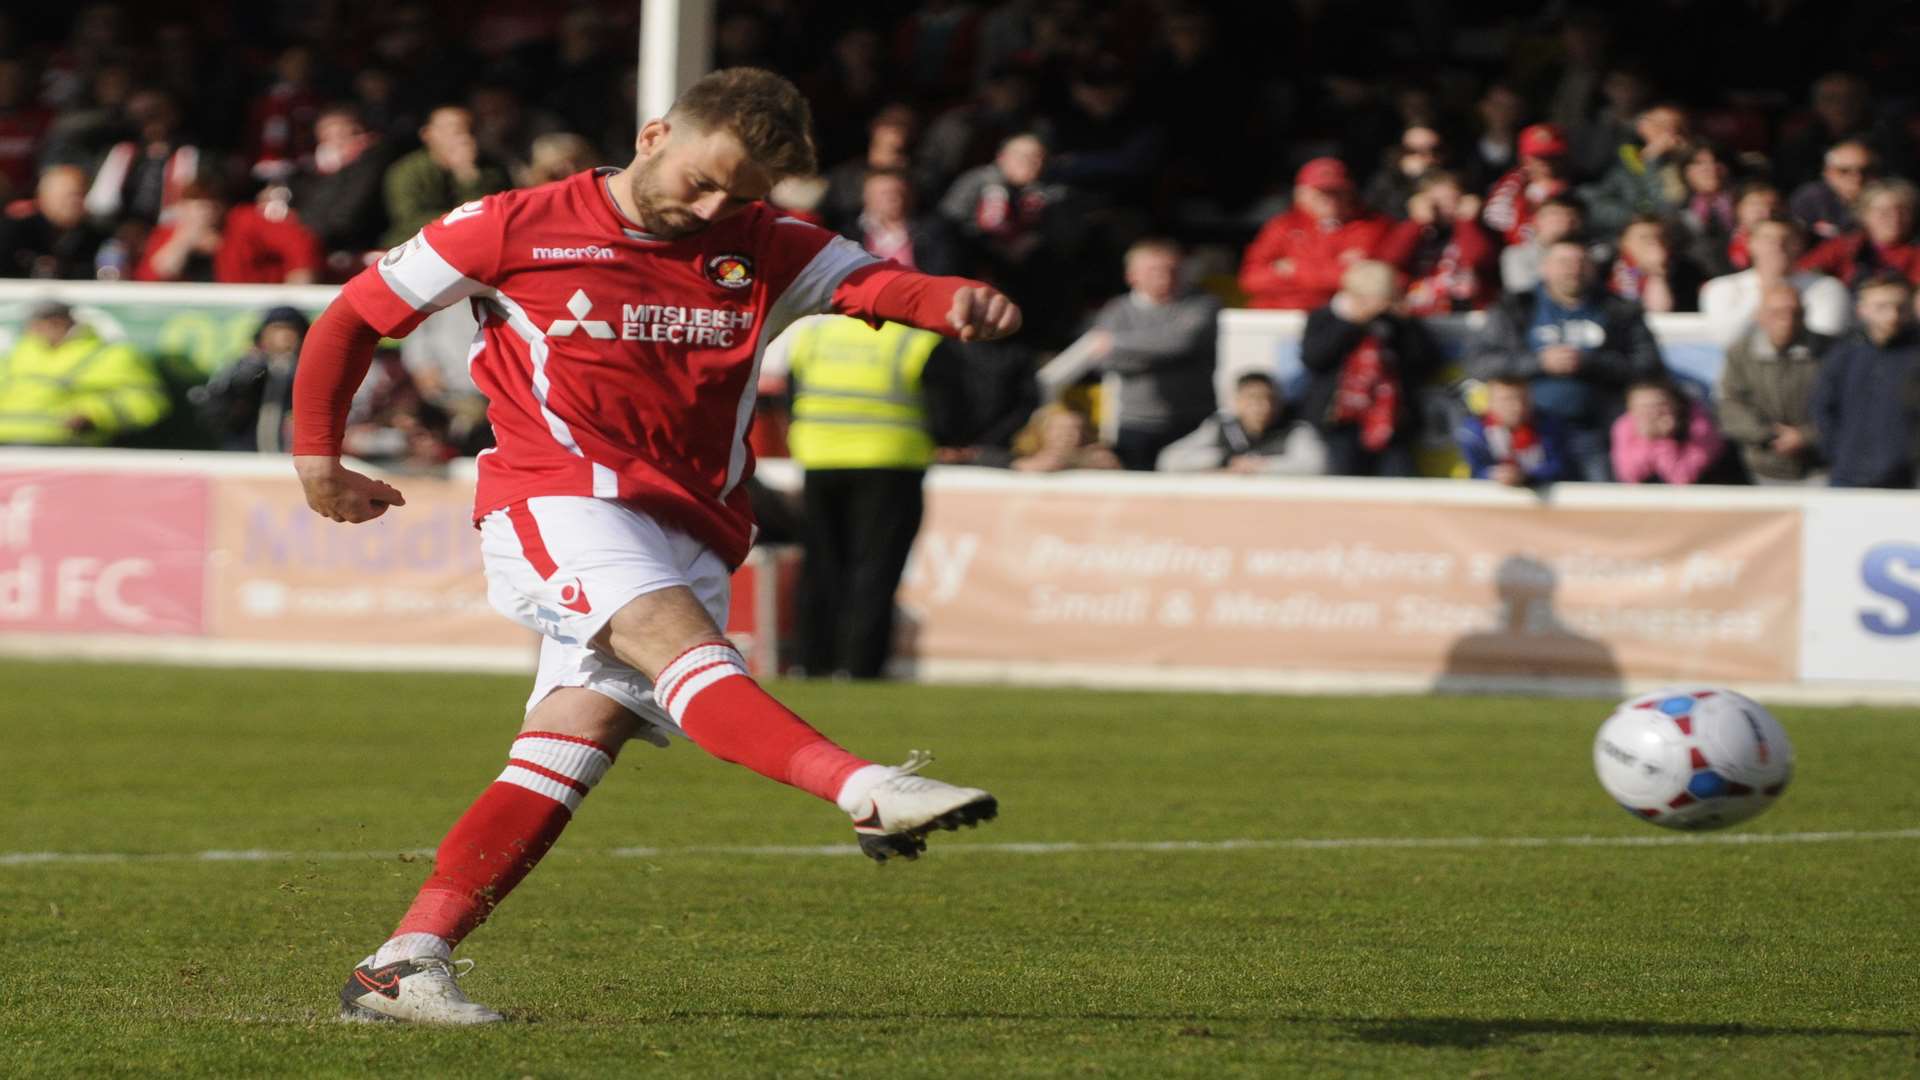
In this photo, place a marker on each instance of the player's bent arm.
(955, 306)
(334, 359)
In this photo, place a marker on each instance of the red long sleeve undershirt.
(339, 348)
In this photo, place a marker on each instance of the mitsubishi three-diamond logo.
(579, 305)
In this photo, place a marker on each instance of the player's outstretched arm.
(333, 360)
(955, 306)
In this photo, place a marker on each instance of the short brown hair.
(764, 111)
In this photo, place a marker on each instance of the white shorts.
(561, 565)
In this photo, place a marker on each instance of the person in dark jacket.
(338, 193)
(1867, 402)
(1578, 347)
(248, 404)
(1365, 365)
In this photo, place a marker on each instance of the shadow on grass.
(1467, 1033)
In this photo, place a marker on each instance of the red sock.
(708, 693)
(505, 832)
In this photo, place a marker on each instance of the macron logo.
(591, 251)
(462, 212)
(579, 305)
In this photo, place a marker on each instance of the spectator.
(1731, 303)
(1103, 141)
(261, 242)
(558, 155)
(1598, 139)
(998, 393)
(63, 385)
(1540, 176)
(1647, 178)
(1884, 241)
(1016, 230)
(337, 190)
(1757, 201)
(1510, 443)
(281, 121)
(969, 133)
(1447, 257)
(51, 237)
(1647, 271)
(392, 422)
(1825, 206)
(1256, 435)
(1494, 151)
(1420, 151)
(1561, 217)
(1663, 438)
(1160, 342)
(1766, 391)
(888, 227)
(445, 172)
(1365, 366)
(1059, 438)
(247, 404)
(142, 178)
(1297, 260)
(889, 149)
(1577, 347)
(505, 128)
(1841, 111)
(1004, 206)
(1709, 217)
(24, 124)
(1866, 403)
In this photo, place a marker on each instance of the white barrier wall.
(1106, 579)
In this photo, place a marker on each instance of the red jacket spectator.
(1446, 257)
(1885, 240)
(1539, 177)
(256, 244)
(1296, 261)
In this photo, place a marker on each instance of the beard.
(652, 210)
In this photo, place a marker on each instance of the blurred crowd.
(1124, 170)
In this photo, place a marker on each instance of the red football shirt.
(616, 365)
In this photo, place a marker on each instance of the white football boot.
(418, 991)
(903, 808)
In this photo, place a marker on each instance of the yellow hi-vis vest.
(43, 386)
(856, 395)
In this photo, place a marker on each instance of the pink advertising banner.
(102, 552)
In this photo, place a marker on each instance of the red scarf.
(1367, 394)
(1519, 445)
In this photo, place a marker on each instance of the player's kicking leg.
(701, 682)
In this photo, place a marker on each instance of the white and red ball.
(1693, 758)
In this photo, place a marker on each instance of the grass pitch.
(1492, 960)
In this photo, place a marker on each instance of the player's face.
(686, 179)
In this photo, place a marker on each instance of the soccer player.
(622, 315)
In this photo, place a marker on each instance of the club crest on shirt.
(730, 271)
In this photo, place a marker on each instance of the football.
(1693, 758)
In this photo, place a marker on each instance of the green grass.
(1707, 960)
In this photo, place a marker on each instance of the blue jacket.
(1544, 463)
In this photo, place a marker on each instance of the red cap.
(1543, 140)
(1324, 174)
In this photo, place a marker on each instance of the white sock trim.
(412, 947)
(860, 783)
(560, 767)
(693, 671)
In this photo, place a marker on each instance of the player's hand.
(981, 313)
(337, 492)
